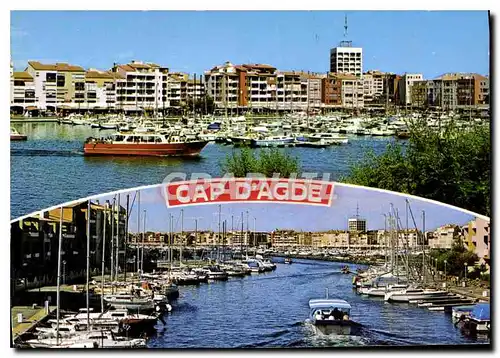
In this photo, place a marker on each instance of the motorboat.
(216, 273)
(288, 260)
(272, 141)
(331, 316)
(15, 135)
(144, 144)
(459, 311)
(345, 269)
(92, 339)
(477, 323)
(411, 294)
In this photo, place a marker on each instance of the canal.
(270, 310)
(49, 168)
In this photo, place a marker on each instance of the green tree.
(451, 165)
(267, 162)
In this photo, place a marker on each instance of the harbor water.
(271, 310)
(49, 168)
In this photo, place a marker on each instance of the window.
(50, 77)
(79, 86)
(60, 80)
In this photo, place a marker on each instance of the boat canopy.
(328, 303)
(481, 312)
(214, 125)
(260, 129)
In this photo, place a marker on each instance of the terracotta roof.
(116, 75)
(98, 74)
(126, 68)
(63, 67)
(22, 76)
(259, 66)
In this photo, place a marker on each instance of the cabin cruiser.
(135, 143)
(216, 273)
(331, 316)
(477, 323)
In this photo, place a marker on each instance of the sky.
(268, 217)
(427, 42)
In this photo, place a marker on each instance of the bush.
(268, 162)
(452, 166)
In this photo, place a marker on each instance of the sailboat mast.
(58, 295)
(218, 237)
(182, 235)
(125, 241)
(103, 255)
(88, 263)
(423, 247)
(117, 250)
(246, 239)
(308, 99)
(138, 229)
(142, 244)
(241, 236)
(112, 243)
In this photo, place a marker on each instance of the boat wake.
(318, 339)
(44, 153)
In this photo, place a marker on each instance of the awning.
(31, 108)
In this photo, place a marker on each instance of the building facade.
(477, 238)
(346, 59)
(405, 85)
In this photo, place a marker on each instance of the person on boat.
(336, 314)
(345, 317)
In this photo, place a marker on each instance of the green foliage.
(455, 259)
(268, 162)
(452, 165)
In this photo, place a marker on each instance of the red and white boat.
(15, 135)
(144, 144)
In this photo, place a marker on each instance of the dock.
(32, 316)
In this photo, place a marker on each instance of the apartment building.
(352, 91)
(444, 237)
(331, 239)
(100, 90)
(140, 87)
(331, 90)
(22, 92)
(472, 89)
(226, 84)
(35, 241)
(373, 87)
(346, 59)
(356, 224)
(405, 84)
(391, 88)
(292, 90)
(284, 239)
(476, 234)
(56, 84)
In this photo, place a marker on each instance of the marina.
(62, 146)
(283, 314)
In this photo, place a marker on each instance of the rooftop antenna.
(345, 26)
(357, 210)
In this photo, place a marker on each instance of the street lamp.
(465, 271)
(445, 262)
(64, 272)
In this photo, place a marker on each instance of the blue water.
(271, 310)
(50, 168)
